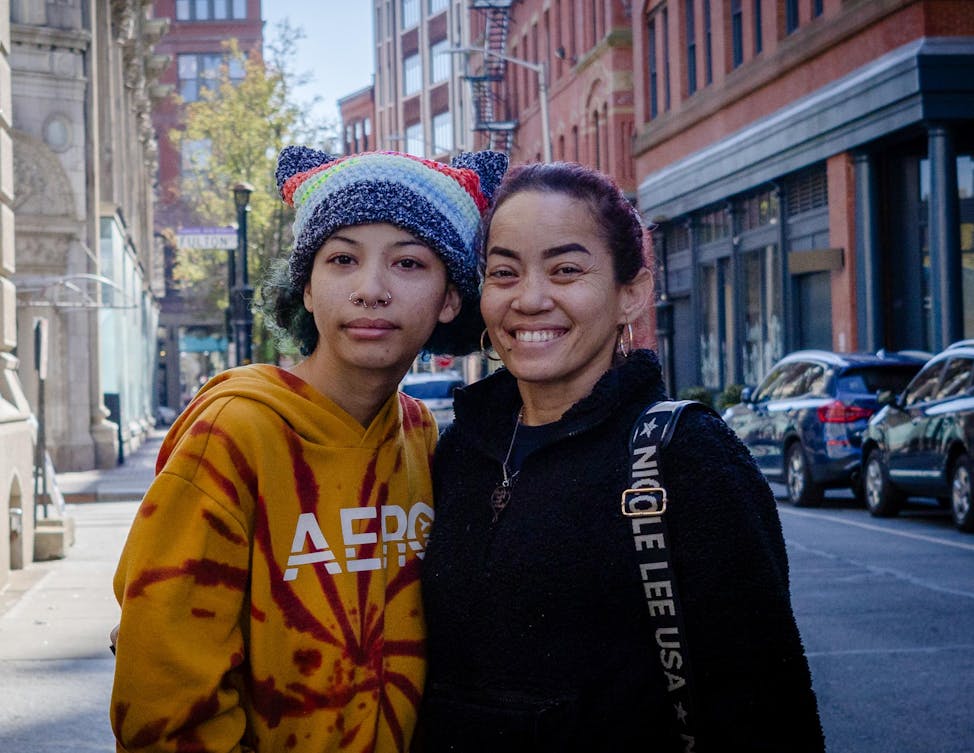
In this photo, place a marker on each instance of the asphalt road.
(885, 607)
(886, 611)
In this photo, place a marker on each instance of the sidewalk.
(55, 666)
(123, 483)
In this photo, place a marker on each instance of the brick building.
(195, 45)
(809, 165)
(420, 100)
(357, 112)
(585, 48)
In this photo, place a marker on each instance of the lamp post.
(541, 70)
(243, 294)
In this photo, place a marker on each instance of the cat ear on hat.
(489, 165)
(298, 159)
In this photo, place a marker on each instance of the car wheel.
(960, 494)
(802, 491)
(881, 499)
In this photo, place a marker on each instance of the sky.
(336, 49)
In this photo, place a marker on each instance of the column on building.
(17, 434)
(946, 291)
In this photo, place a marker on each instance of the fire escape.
(488, 86)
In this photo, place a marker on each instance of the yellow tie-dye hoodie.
(270, 583)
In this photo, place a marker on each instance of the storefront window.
(965, 196)
(762, 317)
(709, 334)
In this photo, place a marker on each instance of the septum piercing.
(357, 300)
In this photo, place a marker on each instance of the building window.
(653, 83)
(210, 10)
(737, 34)
(412, 75)
(440, 61)
(202, 71)
(762, 312)
(758, 44)
(691, 47)
(443, 133)
(807, 191)
(714, 225)
(598, 140)
(817, 8)
(708, 58)
(437, 5)
(414, 140)
(666, 58)
(759, 210)
(791, 16)
(410, 13)
(366, 134)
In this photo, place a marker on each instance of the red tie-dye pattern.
(222, 529)
(202, 613)
(412, 414)
(149, 734)
(205, 572)
(366, 650)
(307, 661)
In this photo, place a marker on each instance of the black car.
(921, 443)
(803, 424)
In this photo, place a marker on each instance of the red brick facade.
(204, 36)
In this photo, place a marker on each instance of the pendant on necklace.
(500, 497)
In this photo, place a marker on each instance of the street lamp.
(540, 69)
(243, 294)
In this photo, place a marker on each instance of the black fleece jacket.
(539, 633)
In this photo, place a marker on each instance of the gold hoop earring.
(486, 349)
(625, 340)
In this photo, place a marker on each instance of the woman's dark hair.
(612, 212)
(284, 313)
(290, 323)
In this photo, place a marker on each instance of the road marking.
(868, 651)
(882, 529)
(873, 569)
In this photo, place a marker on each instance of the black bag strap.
(644, 504)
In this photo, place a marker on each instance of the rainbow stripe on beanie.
(440, 204)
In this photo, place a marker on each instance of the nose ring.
(356, 300)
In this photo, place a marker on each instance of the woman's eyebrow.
(501, 251)
(548, 253)
(565, 248)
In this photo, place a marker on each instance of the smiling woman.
(532, 560)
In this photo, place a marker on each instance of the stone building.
(17, 431)
(82, 75)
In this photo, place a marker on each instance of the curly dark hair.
(615, 215)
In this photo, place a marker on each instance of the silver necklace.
(502, 492)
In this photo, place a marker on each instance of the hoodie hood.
(310, 414)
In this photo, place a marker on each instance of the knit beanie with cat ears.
(440, 204)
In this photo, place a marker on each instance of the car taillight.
(838, 412)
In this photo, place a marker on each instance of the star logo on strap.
(648, 429)
(681, 713)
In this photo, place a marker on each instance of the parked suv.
(922, 442)
(803, 424)
(436, 390)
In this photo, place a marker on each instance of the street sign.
(207, 237)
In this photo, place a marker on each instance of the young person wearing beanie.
(270, 583)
